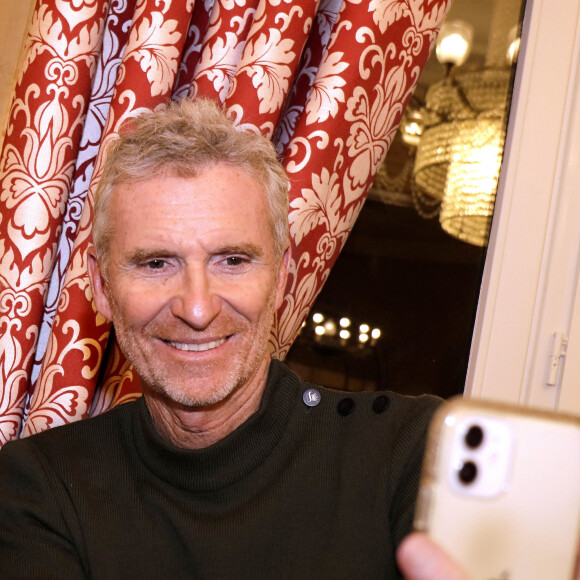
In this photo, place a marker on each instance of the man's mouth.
(197, 347)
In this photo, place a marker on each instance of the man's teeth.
(197, 347)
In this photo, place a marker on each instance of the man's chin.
(191, 396)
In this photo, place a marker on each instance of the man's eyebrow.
(248, 249)
(143, 255)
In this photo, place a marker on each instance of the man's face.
(192, 283)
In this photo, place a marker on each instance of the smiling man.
(192, 283)
(229, 466)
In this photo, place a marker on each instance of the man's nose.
(196, 302)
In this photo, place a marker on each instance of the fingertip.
(411, 549)
(420, 558)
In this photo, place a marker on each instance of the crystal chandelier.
(459, 153)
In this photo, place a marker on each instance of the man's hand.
(420, 558)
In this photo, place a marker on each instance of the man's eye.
(234, 261)
(156, 264)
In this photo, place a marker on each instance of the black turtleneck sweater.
(296, 492)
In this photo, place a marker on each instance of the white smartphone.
(500, 490)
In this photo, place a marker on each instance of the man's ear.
(282, 277)
(98, 285)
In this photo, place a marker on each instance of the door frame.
(530, 276)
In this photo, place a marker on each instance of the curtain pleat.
(339, 136)
(36, 168)
(79, 336)
(326, 80)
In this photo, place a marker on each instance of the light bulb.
(454, 42)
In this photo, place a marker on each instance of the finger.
(420, 558)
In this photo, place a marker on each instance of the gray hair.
(183, 140)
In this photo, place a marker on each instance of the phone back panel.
(501, 490)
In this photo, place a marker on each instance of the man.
(229, 466)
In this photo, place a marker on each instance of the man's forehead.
(215, 204)
(213, 175)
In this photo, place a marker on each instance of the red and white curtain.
(326, 80)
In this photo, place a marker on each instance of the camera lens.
(468, 472)
(474, 436)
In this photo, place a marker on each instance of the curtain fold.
(326, 80)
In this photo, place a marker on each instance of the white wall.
(14, 17)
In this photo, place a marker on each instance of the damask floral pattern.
(327, 80)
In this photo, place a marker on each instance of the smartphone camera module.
(480, 456)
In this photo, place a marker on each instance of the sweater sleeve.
(408, 454)
(36, 541)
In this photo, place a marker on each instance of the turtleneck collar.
(230, 459)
